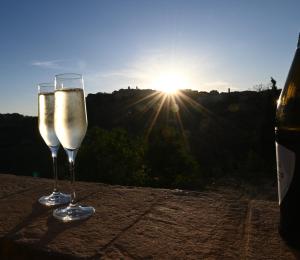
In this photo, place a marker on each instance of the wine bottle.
(287, 137)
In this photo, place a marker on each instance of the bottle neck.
(298, 45)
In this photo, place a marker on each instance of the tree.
(112, 157)
(171, 165)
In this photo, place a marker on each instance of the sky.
(119, 43)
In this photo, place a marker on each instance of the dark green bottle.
(287, 135)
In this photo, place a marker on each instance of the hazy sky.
(114, 44)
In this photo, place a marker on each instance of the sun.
(169, 82)
(170, 89)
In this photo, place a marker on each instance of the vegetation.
(137, 137)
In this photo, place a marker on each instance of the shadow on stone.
(37, 210)
(55, 227)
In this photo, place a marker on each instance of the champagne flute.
(46, 128)
(70, 122)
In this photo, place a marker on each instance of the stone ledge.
(138, 223)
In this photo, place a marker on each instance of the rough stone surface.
(139, 223)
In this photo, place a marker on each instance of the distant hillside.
(195, 137)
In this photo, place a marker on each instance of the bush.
(170, 163)
(112, 157)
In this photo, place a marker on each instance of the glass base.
(55, 198)
(73, 212)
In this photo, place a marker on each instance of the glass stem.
(72, 154)
(72, 173)
(54, 160)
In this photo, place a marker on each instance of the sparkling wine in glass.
(46, 128)
(70, 122)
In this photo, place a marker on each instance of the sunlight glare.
(169, 83)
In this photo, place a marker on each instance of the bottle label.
(286, 160)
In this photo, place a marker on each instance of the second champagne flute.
(70, 122)
(46, 128)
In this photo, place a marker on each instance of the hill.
(142, 137)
